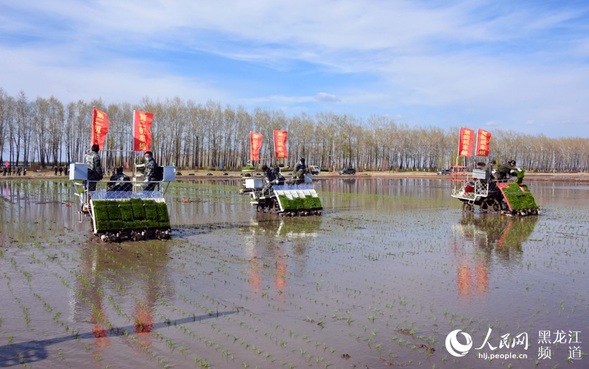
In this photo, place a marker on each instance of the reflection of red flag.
(255, 145)
(142, 130)
(280, 144)
(483, 143)
(464, 278)
(143, 319)
(99, 127)
(465, 142)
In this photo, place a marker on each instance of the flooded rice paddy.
(380, 280)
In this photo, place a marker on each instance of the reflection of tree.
(120, 267)
(35, 200)
(491, 237)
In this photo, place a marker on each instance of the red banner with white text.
(255, 145)
(465, 142)
(99, 127)
(280, 149)
(483, 143)
(142, 130)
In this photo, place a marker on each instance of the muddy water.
(380, 280)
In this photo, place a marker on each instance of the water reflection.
(381, 194)
(42, 203)
(271, 225)
(207, 201)
(481, 241)
(273, 242)
(118, 288)
(128, 279)
(383, 186)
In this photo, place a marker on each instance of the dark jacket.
(120, 182)
(504, 171)
(269, 174)
(150, 170)
(95, 171)
(300, 169)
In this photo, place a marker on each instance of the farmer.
(506, 170)
(299, 171)
(150, 171)
(119, 181)
(95, 171)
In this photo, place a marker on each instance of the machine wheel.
(275, 205)
(467, 207)
(490, 205)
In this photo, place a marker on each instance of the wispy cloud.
(431, 62)
(325, 97)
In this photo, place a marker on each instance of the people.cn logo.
(456, 348)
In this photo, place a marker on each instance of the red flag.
(255, 145)
(483, 143)
(142, 130)
(99, 127)
(280, 144)
(465, 142)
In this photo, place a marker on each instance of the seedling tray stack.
(303, 200)
(130, 218)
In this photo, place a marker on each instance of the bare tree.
(194, 135)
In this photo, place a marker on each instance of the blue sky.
(497, 64)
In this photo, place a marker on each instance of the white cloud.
(325, 97)
(496, 61)
(42, 73)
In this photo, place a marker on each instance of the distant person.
(119, 181)
(268, 173)
(505, 171)
(278, 177)
(151, 169)
(270, 178)
(490, 168)
(18, 171)
(299, 171)
(95, 171)
(55, 169)
(60, 171)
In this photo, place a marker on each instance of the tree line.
(192, 135)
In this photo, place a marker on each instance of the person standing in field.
(150, 171)
(506, 170)
(95, 171)
(299, 171)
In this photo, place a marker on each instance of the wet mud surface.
(380, 280)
